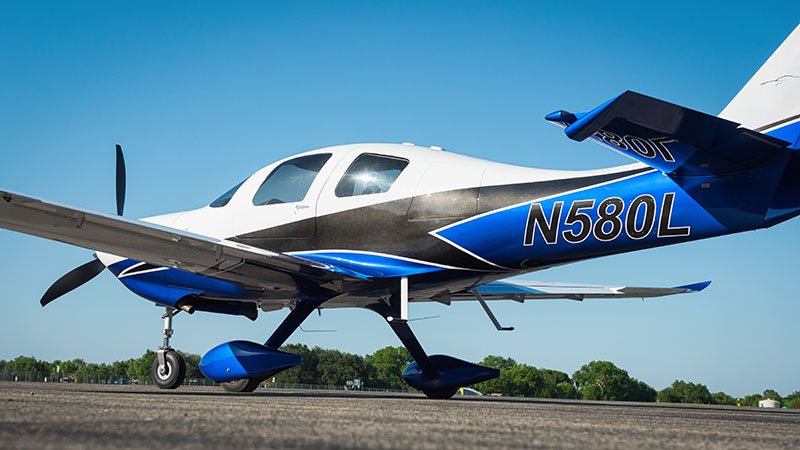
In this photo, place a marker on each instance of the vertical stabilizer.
(770, 101)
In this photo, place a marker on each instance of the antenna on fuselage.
(423, 318)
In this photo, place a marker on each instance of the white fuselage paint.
(769, 99)
(429, 171)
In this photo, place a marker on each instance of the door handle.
(301, 206)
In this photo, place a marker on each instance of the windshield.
(226, 197)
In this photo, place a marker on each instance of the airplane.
(382, 226)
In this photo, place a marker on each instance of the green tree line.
(79, 370)
(596, 380)
(602, 380)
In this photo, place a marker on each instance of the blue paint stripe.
(789, 133)
(369, 264)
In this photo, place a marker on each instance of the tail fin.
(770, 101)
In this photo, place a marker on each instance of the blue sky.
(202, 94)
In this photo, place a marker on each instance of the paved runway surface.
(38, 415)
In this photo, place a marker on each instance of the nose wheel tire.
(241, 385)
(171, 375)
(441, 395)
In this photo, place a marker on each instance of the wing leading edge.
(162, 246)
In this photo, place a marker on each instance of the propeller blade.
(72, 280)
(120, 181)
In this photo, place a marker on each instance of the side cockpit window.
(226, 197)
(370, 174)
(291, 180)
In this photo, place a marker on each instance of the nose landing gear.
(171, 373)
(169, 368)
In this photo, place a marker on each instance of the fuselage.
(436, 189)
(448, 220)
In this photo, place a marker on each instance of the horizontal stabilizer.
(669, 137)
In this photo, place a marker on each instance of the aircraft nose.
(108, 259)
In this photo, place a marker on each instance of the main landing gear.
(438, 376)
(240, 366)
(241, 385)
(302, 309)
(169, 368)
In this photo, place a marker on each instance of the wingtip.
(561, 116)
(695, 287)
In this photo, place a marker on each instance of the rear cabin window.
(290, 181)
(370, 174)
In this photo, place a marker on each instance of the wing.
(537, 290)
(163, 246)
(669, 137)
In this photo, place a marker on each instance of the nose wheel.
(170, 375)
(168, 369)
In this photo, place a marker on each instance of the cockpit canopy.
(290, 181)
(223, 199)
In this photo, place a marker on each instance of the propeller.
(120, 181)
(72, 280)
(85, 273)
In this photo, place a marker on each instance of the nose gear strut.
(169, 368)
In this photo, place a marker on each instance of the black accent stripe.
(776, 123)
(387, 228)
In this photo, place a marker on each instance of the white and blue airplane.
(379, 226)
